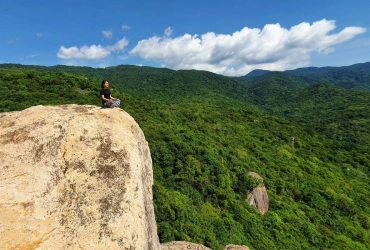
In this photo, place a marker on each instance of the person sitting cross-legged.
(108, 101)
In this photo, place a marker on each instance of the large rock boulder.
(75, 177)
(259, 197)
(236, 247)
(183, 245)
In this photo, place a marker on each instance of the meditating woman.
(108, 101)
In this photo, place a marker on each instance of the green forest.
(207, 131)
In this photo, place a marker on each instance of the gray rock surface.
(183, 245)
(258, 197)
(236, 247)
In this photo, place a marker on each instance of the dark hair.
(102, 83)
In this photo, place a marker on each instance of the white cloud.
(168, 32)
(327, 51)
(39, 34)
(125, 27)
(90, 53)
(107, 34)
(272, 48)
(119, 46)
(94, 52)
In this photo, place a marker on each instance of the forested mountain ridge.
(204, 147)
(356, 76)
(160, 84)
(325, 108)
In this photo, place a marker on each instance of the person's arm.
(111, 97)
(105, 99)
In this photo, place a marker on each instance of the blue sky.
(230, 37)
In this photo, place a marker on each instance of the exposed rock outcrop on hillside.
(255, 175)
(235, 247)
(258, 197)
(75, 177)
(183, 245)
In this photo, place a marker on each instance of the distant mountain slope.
(21, 89)
(274, 85)
(356, 76)
(328, 69)
(161, 84)
(340, 114)
(258, 72)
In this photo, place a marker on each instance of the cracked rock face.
(75, 177)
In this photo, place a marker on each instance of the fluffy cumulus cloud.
(94, 52)
(272, 48)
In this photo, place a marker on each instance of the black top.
(106, 93)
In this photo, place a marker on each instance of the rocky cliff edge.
(75, 177)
